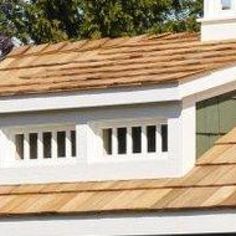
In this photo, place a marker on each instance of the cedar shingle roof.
(210, 185)
(105, 63)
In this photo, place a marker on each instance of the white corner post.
(188, 135)
(7, 154)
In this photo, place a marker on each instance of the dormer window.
(43, 144)
(146, 138)
(225, 4)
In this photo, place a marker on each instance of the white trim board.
(96, 98)
(215, 82)
(180, 223)
(224, 18)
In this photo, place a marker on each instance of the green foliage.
(11, 18)
(53, 20)
(122, 17)
(183, 17)
(41, 21)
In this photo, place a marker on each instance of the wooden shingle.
(107, 63)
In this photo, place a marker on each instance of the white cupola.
(219, 21)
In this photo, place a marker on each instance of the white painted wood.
(108, 97)
(8, 153)
(84, 133)
(203, 88)
(129, 141)
(188, 121)
(181, 223)
(26, 147)
(54, 145)
(68, 144)
(40, 145)
(213, 9)
(218, 24)
(39, 130)
(224, 81)
(98, 126)
(89, 165)
(114, 142)
(144, 139)
(158, 140)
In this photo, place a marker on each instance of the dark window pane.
(61, 144)
(121, 136)
(136, 138)
(226, 4)
(107, 140)
(151, 138)
(164, 137)
(73, 143)
(33, 138)
(47, 145)
(19, 142)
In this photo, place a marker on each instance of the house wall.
(215, 117)
(180, 159)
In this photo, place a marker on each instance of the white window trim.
(40, 161)
(97, 154)
(226, 12)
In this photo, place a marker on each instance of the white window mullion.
(158, 139)
(68, 144)
(144, 139)
(40, 145)
(114, 142)
(26, 147)
(129, 140)
(54, 145)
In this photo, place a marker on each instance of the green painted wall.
(215, 117)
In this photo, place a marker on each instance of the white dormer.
(219, 21)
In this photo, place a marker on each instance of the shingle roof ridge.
(31, 49)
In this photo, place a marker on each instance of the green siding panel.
(215, 117)
(201, 122)
(202, 143)
(212, 117)
(227, 113)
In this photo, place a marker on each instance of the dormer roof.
(112, 63)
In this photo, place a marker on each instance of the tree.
(183, 17)
(115, 18)
(41, 21)
(12, 19)
(53, 20)
(6, 45)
